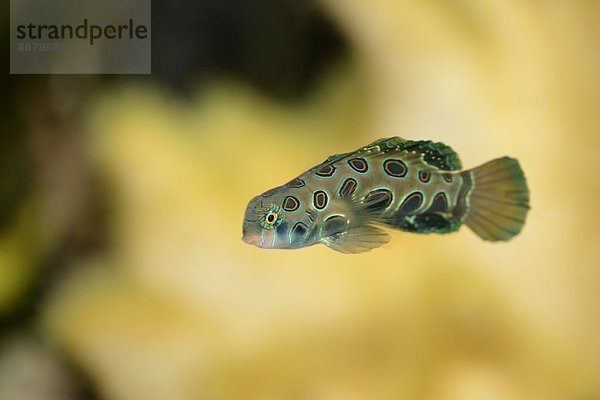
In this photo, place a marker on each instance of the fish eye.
(271, 217)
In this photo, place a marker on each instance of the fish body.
(348, 201)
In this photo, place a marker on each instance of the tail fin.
(499, 199)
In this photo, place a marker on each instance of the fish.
(352, 200)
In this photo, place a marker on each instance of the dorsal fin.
(437, 155)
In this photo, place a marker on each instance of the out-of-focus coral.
(30, 371)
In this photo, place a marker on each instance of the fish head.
(274, 220)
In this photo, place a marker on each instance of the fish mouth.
(259, 240)
(250, 240)
(253, 240)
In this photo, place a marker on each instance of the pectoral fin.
(357, 240)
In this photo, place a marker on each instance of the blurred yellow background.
(174, 305)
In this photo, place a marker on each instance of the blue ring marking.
(440, 203)
(286, 207)
(298, 226)
(325, 172)
(359, 165)
(380, 198)
(411, 202)
(320, 199)
(295, 183)
(424, 175)
(348, 187)
(334, 224)
(395, 168)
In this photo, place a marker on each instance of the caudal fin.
(499, 199)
